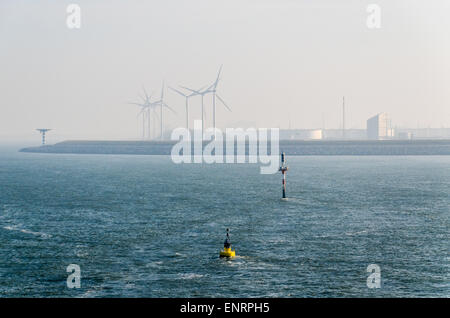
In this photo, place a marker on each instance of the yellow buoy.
(227, 252)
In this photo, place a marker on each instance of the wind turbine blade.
(189, 89)
(223, 102)
(177, 91)
(210, 87)
(173, 111)
(201, 88)
(145, 92)
(218, 77)
(162, 91)
(136, 104)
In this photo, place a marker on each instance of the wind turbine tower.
(162, 104)
(145, 111)
(149, 108)
(43, 131)
(213, 89)
(202, 94)
(186, 96)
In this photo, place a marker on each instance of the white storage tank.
(315, 134)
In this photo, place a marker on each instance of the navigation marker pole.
(43, 131)
(283, 170)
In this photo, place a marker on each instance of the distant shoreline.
(291, 147)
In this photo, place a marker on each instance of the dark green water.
(141, 226)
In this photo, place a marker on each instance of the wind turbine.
(195, 92)
(213, 89)
(144, 114)
(145, 111)
(186, 96)
(148, 103)
(162, 104)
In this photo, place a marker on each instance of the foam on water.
(15, 228)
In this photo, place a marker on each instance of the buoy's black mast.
(227, 243)
(283, 170)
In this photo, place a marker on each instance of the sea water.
(142, 226)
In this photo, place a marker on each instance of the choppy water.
(141, 226)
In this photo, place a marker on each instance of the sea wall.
(293, 148)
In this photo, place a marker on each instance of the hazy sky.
(282, 61)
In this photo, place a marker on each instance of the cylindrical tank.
(315, 134)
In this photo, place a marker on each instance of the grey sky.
(281, 60)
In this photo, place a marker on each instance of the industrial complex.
(379, 127)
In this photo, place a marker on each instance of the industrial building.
(350, 134)
(422, 133)
(379, 127)
(301, 134)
